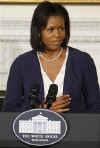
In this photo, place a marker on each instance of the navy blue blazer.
(80, 82)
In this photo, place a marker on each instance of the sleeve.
(91, 85)
(14, 92)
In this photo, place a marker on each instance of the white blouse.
(59, 79)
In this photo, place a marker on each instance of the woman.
(52, 62)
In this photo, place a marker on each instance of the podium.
(84, 131)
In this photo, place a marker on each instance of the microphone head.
(34, 96)
(51, 96)
(53, 89)
(35, 90)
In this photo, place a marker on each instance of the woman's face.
(54, 33)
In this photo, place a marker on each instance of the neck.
(51, 59)
(51, 53)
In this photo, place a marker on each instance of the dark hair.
(39, 20)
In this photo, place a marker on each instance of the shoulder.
(24, 58)
(79, 56)
(81, 60)
(23, 62)
(76, 52)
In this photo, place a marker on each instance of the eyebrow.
(55, 26)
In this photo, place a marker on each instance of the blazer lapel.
(38, 76)
(68, 75)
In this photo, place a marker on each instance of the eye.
(61, 28)
(50, 29)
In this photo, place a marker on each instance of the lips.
(57, 41)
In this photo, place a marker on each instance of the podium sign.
(40, 127)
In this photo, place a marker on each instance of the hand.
(61, 103)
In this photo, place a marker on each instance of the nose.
(57, 33)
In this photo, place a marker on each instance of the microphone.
(51, 96)
(34, 96)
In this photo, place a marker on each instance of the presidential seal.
(40, 127)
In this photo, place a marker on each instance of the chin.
(54, 47)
